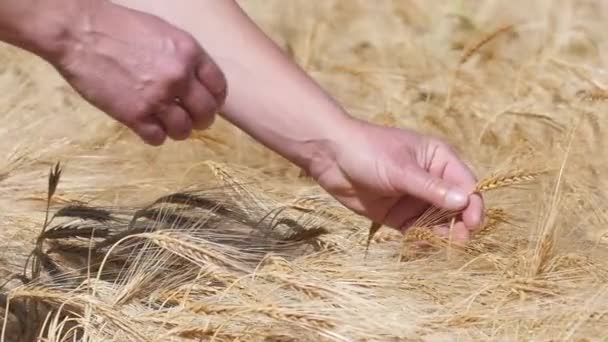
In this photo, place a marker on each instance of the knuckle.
(182, 132)
(142, 109)
(181, 127)
(160, 95)
(139, 110)
(175, 73)
(205, 121)
(187, 47)
(214, 80)
(155, 138)
(211, 107)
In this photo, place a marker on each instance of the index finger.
(457, 173)
(212, 77)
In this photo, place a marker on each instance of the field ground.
(514, 85)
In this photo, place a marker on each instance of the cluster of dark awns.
(81, 243)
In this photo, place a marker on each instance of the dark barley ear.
(84, 212)
(174, 220)
(74, 231)
(291, 223)
(307, 234)
(272, 215)
(48, 264)
(191, 200)
(112, 239)
(198, 201)
(54, 177)
(164, 217)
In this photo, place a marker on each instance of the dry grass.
(218, 239)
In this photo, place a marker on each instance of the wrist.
(322, 153)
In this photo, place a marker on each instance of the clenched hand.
(143, 72)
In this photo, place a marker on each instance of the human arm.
(132, 64)
(389, 175)
(140, 70)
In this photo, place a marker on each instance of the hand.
(143, 72)
(392, 176)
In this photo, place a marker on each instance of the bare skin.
(156, 50)
(145, 73)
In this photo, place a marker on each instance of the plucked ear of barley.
(507, 179)
(424, 234)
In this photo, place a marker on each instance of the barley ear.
(54, 177)
(479, 44)
(515, 177)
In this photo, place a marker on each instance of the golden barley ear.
(503, 180)
(486, 39)
(494, 217)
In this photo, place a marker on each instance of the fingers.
(200, 104)
(213, 79)
(423, 185)
(458, 232)
(456, 172)
(448, 184)
(201, 96)
(150, 130)
(176, 122)
(189, 97)
(473, 214)
(403, 214)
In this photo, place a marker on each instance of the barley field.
(218, 239)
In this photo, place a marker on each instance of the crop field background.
(218, 239)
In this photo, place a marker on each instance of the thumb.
(421, 184)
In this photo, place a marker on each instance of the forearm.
(42, 27)
(269, 97)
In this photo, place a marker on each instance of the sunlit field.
(218, 239)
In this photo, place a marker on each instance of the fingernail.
(455, 199)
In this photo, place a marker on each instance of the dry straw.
(244, 250)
